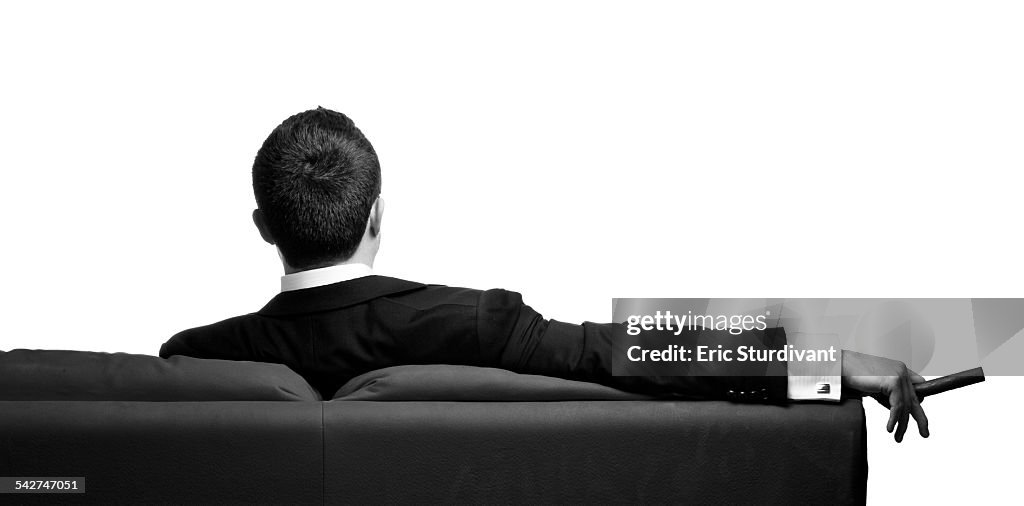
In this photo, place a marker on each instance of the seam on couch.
(323, 457)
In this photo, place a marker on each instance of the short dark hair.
(315, 179)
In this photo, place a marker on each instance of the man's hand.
(891, 384)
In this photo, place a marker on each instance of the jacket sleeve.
(513, 336)
(190, 344)
(221, 340)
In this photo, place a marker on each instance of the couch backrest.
(466, 383)
(59, 375)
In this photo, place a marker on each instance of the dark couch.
(141, 429)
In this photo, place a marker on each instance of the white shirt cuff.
(814, 381)
(814, 388)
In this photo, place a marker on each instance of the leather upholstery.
(161, 452)
(465, 383)
(59, 375)
(429, 434)
(594, 452)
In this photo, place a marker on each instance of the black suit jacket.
(330, 334)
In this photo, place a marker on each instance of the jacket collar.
(336, 295)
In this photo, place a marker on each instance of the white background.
(574, 152)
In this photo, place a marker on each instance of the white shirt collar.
(323, 276)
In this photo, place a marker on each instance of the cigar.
(946, 383)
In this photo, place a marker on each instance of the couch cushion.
(59, 375)
(466, 383)
(594, 452)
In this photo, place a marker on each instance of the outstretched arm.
(518, 338)
(514, 336)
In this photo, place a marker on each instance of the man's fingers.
(894, 409)
(901, 428)
(898, 401)
(917, 412)
(908, 396)
(894, 416)
(922, 420)
(914, 377)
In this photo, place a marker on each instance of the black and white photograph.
(554, 252)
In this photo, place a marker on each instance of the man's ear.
(376, 217)
(261, 225)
